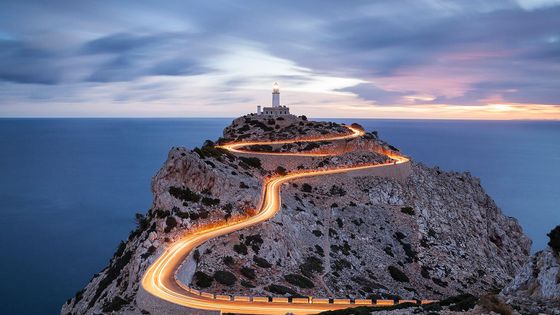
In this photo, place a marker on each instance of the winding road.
(160, 278)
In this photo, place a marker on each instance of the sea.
(69, 188)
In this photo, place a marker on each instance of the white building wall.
(275, 99)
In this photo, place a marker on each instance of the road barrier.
(300, 300)
(223, 297)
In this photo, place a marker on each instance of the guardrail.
(300, 300)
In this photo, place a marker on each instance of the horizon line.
(225, 117)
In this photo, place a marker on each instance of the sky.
(367, 59)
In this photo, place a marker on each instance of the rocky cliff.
(431, 234)
(536, 288)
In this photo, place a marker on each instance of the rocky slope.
(432, 235)
(536, 288)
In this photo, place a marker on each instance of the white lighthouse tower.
(275, 95)
(276, 109)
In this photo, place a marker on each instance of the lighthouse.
(276, 109)
(275, 95)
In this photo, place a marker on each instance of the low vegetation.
(202, 280)
(241, 249)
(112, 273)
(280, 289)
(248, 273)
(207, 201)
(554, 241)
(261, 262)
(225, 277)
(114, 305)
(306, 188)
(184, 194)
(299, 280)
(251, 161)
(311, 266)
(281, 171)
(170, 224)
(397, 274)
(460, 303)
(408, 210)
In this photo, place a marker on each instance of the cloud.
(537, 4)
(20, 62)
(134, 56)
(365, 54)
(370, 92)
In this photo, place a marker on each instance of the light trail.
(160, 278)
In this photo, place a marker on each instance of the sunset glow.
(459, 60)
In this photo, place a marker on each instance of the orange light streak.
(160, 278)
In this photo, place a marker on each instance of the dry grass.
(492, 302)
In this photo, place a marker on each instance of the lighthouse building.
(276, 109)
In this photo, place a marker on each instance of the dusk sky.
(379, 59)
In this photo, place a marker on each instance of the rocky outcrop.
(255, 127)
(423, 234)
(536, 288)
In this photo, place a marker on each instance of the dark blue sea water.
(69, 188)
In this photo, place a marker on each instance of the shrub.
(311, 266)
(261, 262)
(247, 284)
(439, 282)
(208, 150)
(299, 280)
(339, 222)
(317, 233)
(357, 126)
(170, 224)
(397, 274)
(408, 210)
(182, 215)
(225, 277)
(248, 273)
(115, 304)
(202, 280)
(255, 239)
(251, 161)
(228, 260)
(303, 117)
(240, 249)
(460, 303)
(184, 194)
(281, 171)
(210, 201)
(554, 242)
(112, 273)
(335, 190)
(425, 272)
(149, 252)
(141, 221)
(280, 289)
(306, 188)
(319, 250)
(341, 264)
(388, 251)
(159, 213)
